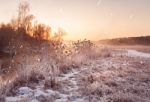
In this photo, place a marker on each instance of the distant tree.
(24, 18)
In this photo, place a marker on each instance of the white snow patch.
(34, 100)
(39, 93)
(25, 93)
(12, 99)
(134, 53)
(24, 90)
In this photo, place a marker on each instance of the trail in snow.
(71, 89)
(134, 53)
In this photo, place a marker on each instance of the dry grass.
(117, 82)
(43, 65)
(107, 77)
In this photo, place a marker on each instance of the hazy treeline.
(143, 40)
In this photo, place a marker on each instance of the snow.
(23, 93)
(24, 90)
(134, 53)
(34, 100)
(70, 91)
(39, 93)
(12, 99)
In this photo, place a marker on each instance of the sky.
(90, 19)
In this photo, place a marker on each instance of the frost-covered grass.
(99, 74)
(116, 79)
(46, 64)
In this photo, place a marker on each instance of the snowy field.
(124, 76)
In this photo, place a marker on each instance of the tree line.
(23, 28)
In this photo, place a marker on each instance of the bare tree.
(24, 17)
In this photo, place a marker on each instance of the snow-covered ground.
(30, 95)
(117, 69)
(134, 53)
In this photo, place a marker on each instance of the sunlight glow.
(91, 19)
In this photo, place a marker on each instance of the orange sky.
(91, 19)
